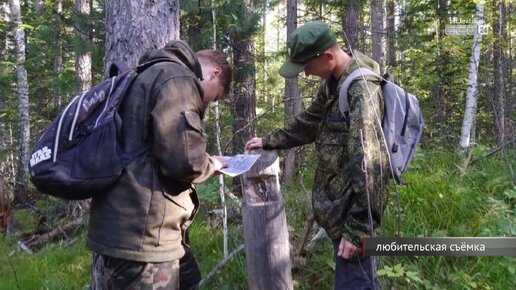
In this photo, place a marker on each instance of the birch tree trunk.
(83, 56)
(377, 32)
(133, 27)
(22, 177)
(471, 99)
(292, 101)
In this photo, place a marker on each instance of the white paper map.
(239, 164)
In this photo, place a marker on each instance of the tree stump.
(265, 226)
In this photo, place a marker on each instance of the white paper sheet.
(239, 164)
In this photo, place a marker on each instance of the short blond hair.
(218, 59)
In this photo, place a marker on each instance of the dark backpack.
(402, 122)
(79, 154)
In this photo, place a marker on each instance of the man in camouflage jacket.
(137, 228)
(349, 191)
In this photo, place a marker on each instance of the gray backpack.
(402, 122)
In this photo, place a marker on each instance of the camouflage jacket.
(342, 188)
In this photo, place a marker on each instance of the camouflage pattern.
(116, 274)
(352, 161)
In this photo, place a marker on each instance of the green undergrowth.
(58, 266)
(446, 196)
(451, 196)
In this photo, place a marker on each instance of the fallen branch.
(36, 241)
(494, 151)
(221, 264)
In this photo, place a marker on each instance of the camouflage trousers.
(109, 273)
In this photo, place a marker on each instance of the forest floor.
(446, 196)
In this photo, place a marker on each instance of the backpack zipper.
(407, 108)
(56, 141)
(107, 101)
(72, 128)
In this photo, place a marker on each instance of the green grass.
(445, 196)
(55, 267)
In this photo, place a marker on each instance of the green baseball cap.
(306, 42)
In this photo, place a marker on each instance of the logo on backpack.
(402, 123)
(40, 155)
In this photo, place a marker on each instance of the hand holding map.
(239, 164)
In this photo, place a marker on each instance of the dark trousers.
(357, 273)
(189, 273)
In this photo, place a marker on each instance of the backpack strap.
(343, 93)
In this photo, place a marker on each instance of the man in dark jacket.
(137, 228)
(349, 189)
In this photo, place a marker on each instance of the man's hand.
(255, 143)
(346, 249)
(220, 162)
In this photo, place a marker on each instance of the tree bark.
(22, 177)
(265, 227)
(350, 23)
(83, 56)
(133, 27)
(58, 59)
(511, 87)
(471, 99)
(293, 102)
(377, 32)
(391, 34)
(441, 91)
(5, 207)
(244, 89)
(498, 68)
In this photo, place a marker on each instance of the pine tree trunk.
(292, 101)
(471, 98)
(133, 27)
(377, 32)
(83, 57)
(4, 52)
(498, 68)
(511, 86)
(350, 23)
(22, 177)
(441, 91)
(391, 34)
(244, 96)
(58, 60)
